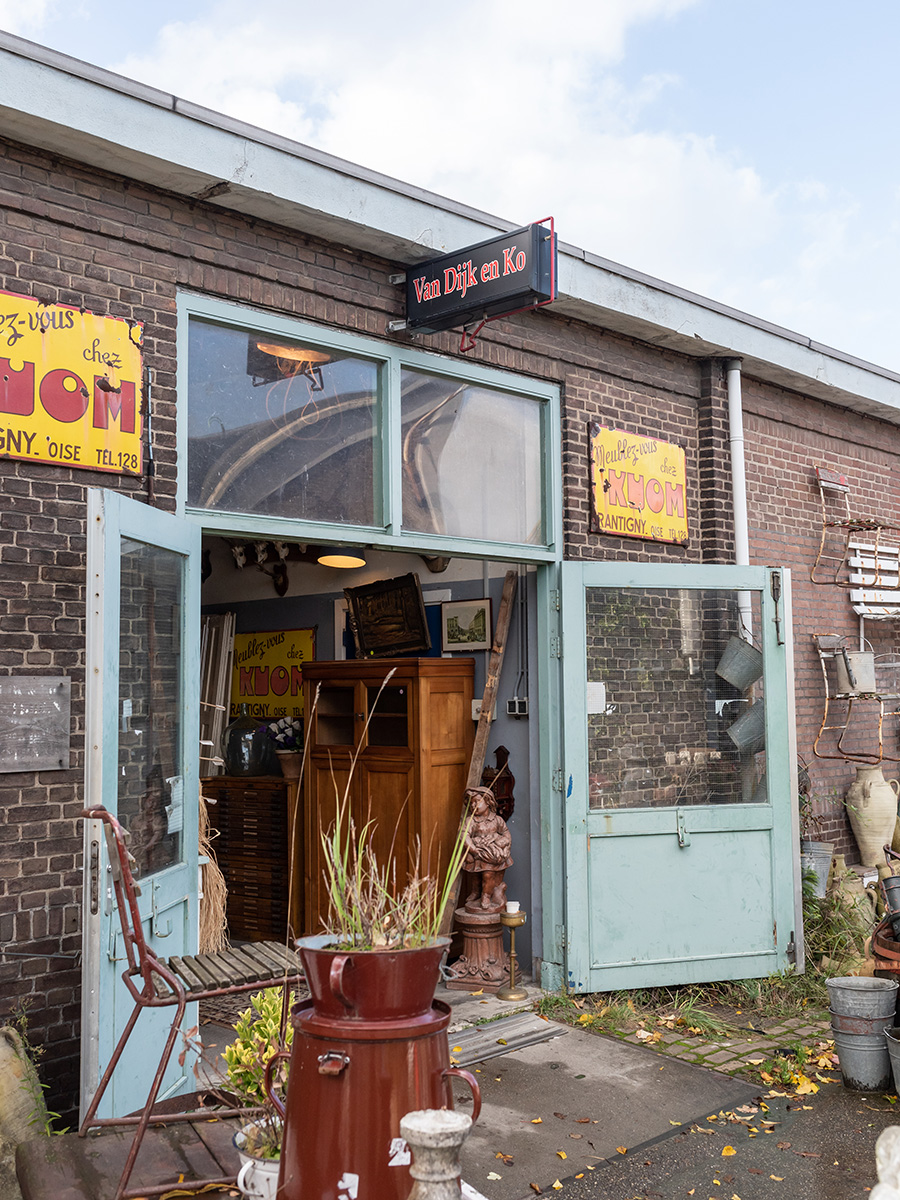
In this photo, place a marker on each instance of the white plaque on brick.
(34, 722)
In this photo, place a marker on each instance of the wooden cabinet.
(250, 814)
(411, 745)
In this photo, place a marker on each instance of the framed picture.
(388, 618)
(466, 625)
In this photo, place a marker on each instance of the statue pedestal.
(483, 964)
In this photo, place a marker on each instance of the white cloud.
(25, 18)
(524, 111)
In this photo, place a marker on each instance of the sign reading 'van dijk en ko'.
(502, 275)
(637, 486)
(70, 387)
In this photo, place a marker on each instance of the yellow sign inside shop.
(638, 486)
(70, 387)
(268, 672)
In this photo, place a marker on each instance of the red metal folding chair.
(158, 983)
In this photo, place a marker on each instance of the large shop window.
(322, 428)
(471, 460)
(280, 428)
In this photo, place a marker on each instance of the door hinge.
(95, 878)
(556, 647)
(684, 838)
(775, 584)
(792, 949)
(557, 780)
(554, 600)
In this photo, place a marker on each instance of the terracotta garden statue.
(488, 854)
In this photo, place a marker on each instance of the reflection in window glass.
(471, 461)
(675, 704)
(150, 800)
(280, 428)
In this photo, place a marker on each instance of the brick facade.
(73, 235)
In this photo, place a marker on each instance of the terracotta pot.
(872, 808)
(290, 761)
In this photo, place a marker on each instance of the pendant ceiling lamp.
(342, 556)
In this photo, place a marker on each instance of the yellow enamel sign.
(268, 672)
(638, 486)
(70, 387)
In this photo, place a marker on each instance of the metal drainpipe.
(739, 487)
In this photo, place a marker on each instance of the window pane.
(280, 428)
(675, 704)
(150, 709)
(471, 461)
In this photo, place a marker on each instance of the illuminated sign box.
(638, 486)
(70, 387)
(514, 271)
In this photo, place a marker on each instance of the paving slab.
(591, 1094)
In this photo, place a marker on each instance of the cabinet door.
(337, 716)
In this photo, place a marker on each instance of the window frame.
(391, 360)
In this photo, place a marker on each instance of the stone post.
(435, 1137)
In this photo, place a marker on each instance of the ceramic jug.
(872, 808)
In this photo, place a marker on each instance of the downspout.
(739, 488)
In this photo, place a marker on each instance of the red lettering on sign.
(635, 491)
(120, 404)
(296, 680)
(279, 680)
(16, 389)
(509, 266)
(60, 403)
(655, 496)
(674, 499)
(617, 489)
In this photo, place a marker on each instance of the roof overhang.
(84, 113)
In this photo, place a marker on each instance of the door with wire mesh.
(679, 790)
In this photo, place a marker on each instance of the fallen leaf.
(507, 1158)
(755, 1171)
(582, 1120)
(585, 1017)
(557, 1186)
(575, 1135)
(456, 1049)
(537, 1120)
(534, 1187)
(621, 1149)
(674, 1122)
(727, 1151)
(805, 1086)
(777, 1178)
(562, 1116)
(502, 1042)
(480, 992)
(784, 1145)
(561, 1154)
(494, 1175)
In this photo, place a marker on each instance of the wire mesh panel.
(675, 705)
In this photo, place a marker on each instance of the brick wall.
(76, 236)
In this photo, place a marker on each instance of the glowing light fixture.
(301, 354)
(343, 557)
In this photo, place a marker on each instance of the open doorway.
(282, 588)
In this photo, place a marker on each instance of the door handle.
(684, 838)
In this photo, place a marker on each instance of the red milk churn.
(369, 1047)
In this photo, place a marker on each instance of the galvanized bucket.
(892, 1038)
(862, 996)
(741, 664)
(865, 1062)
(749, 731)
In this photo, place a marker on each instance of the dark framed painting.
(387, 618)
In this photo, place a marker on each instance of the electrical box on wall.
(476, 711)
(517, 707)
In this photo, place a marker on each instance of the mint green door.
(142, 732)
(678, 781)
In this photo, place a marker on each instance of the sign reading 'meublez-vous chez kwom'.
(637, 486)
(70, 387)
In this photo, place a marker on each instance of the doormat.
(494, 1038)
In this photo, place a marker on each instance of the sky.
(743, 149)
